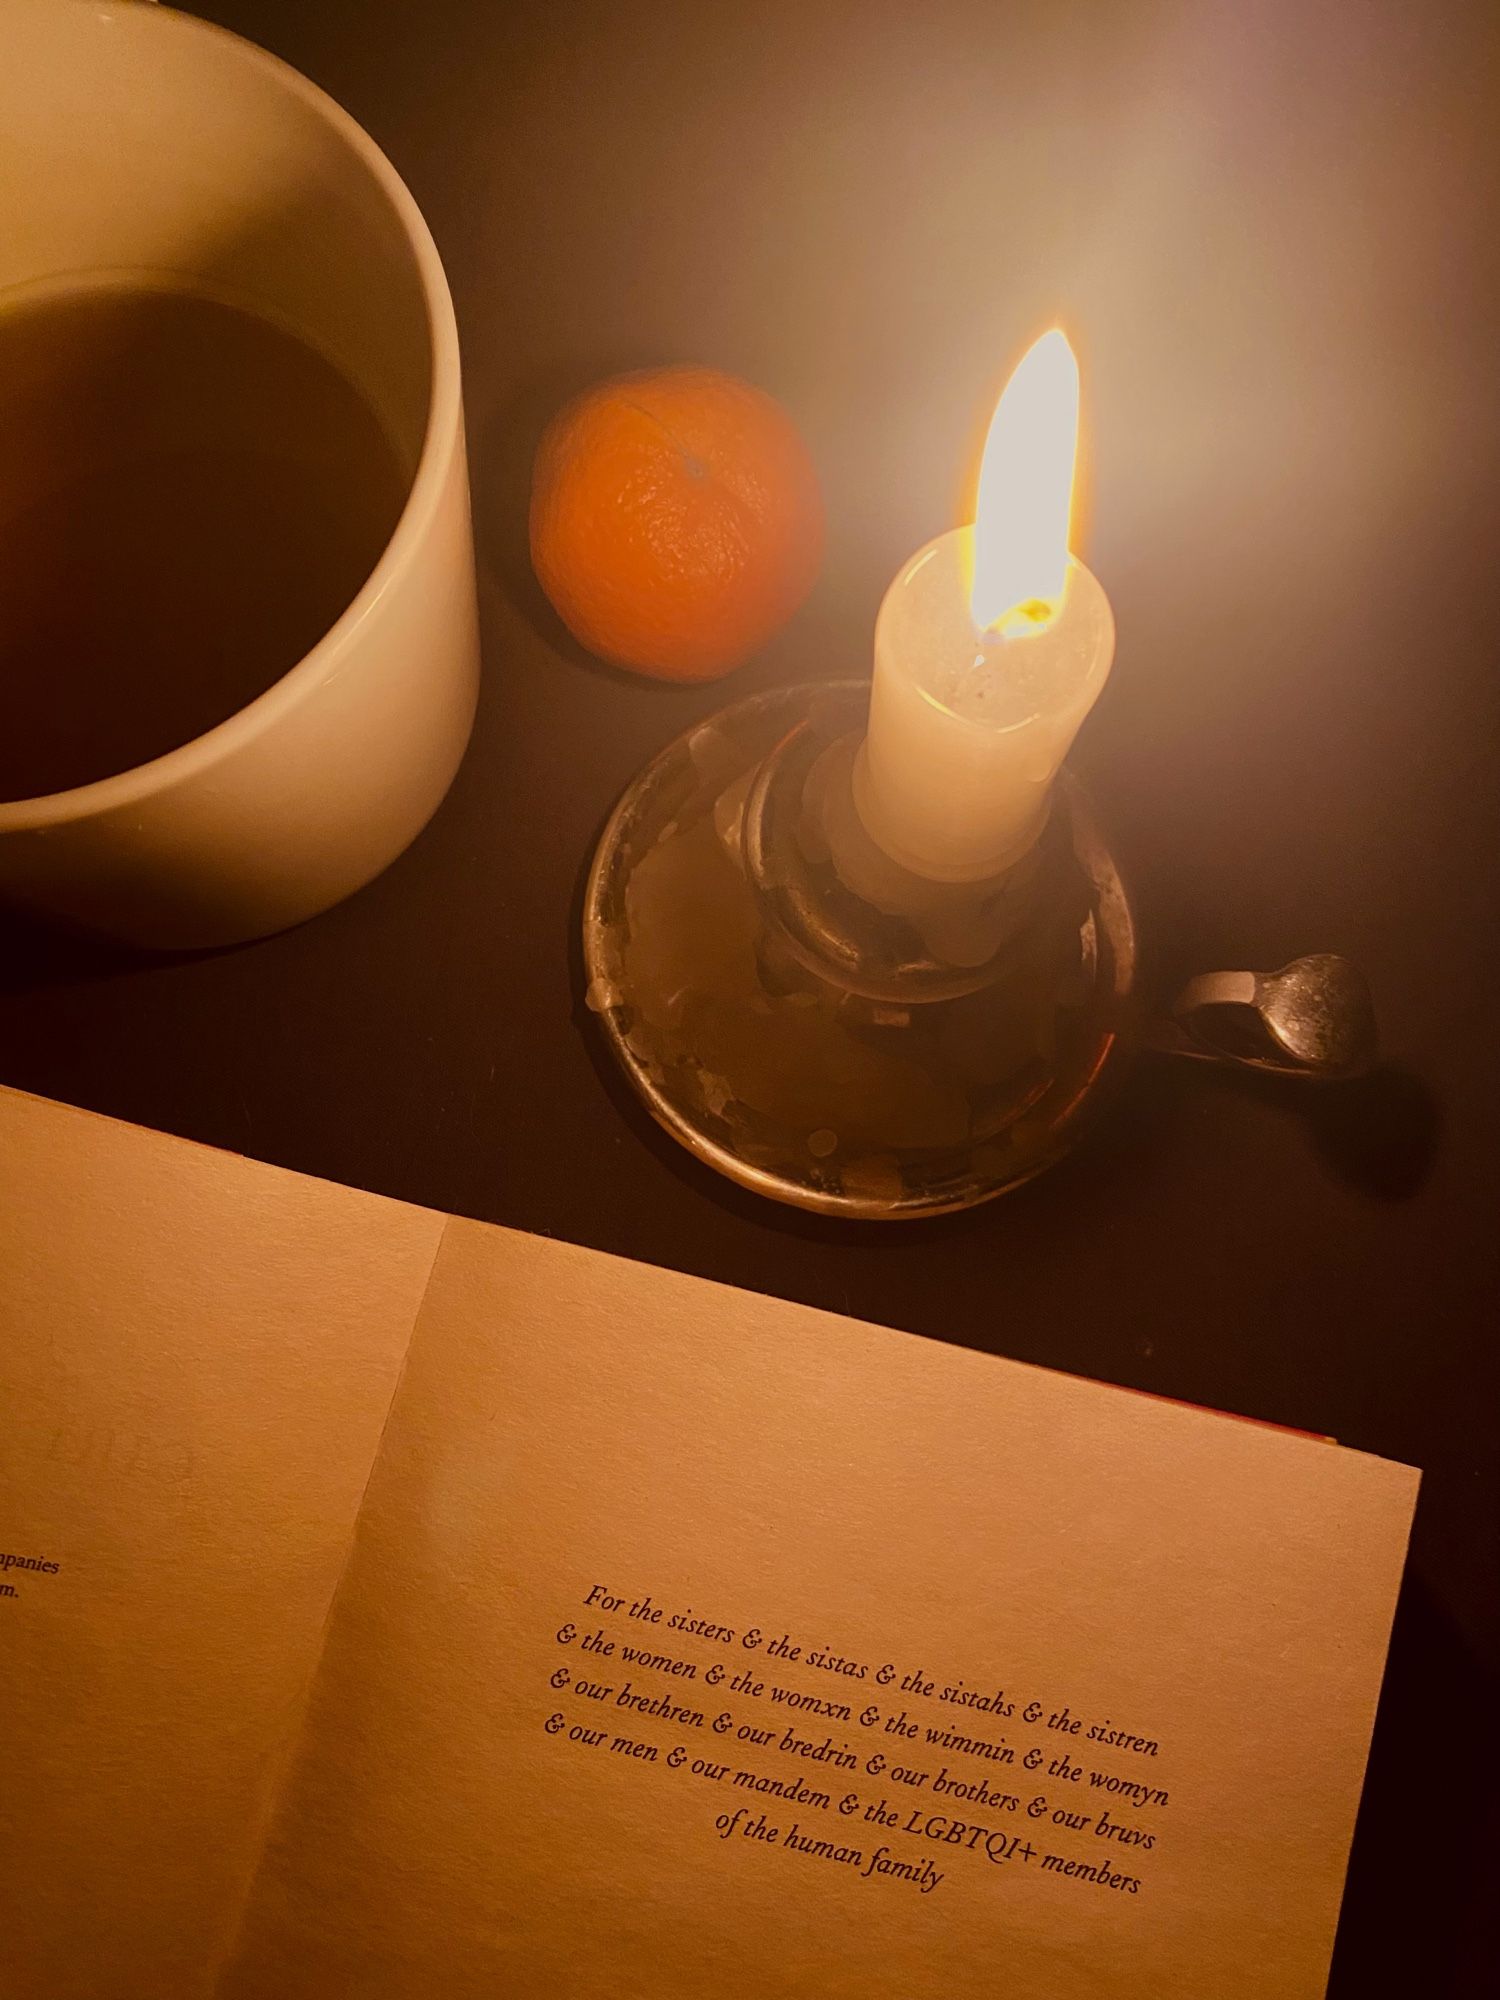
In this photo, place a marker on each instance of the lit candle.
(990, 648)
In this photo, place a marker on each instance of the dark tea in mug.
(190, 497)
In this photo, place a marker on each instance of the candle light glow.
(1025, 502)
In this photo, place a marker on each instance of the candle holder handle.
(1313, 1020)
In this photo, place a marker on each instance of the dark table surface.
(1271, 233)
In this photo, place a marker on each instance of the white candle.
(990, 648)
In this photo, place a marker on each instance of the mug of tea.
(238, 640)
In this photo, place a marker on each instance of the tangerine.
(676, 520)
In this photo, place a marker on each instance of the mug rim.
(428, 481)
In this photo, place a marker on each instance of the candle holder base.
(877, 1059)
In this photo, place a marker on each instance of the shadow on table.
(1379, 1133)
(36, 955)
(1419, 1875)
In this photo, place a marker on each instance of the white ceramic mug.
(134, 140)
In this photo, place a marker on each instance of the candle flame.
(1026, 491)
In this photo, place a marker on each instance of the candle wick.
(1034, 615)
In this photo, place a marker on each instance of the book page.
(696, 1643)
(197, 1355)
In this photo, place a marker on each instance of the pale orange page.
(697, 1644)
(197, 1355)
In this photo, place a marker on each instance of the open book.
(397, 1606)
